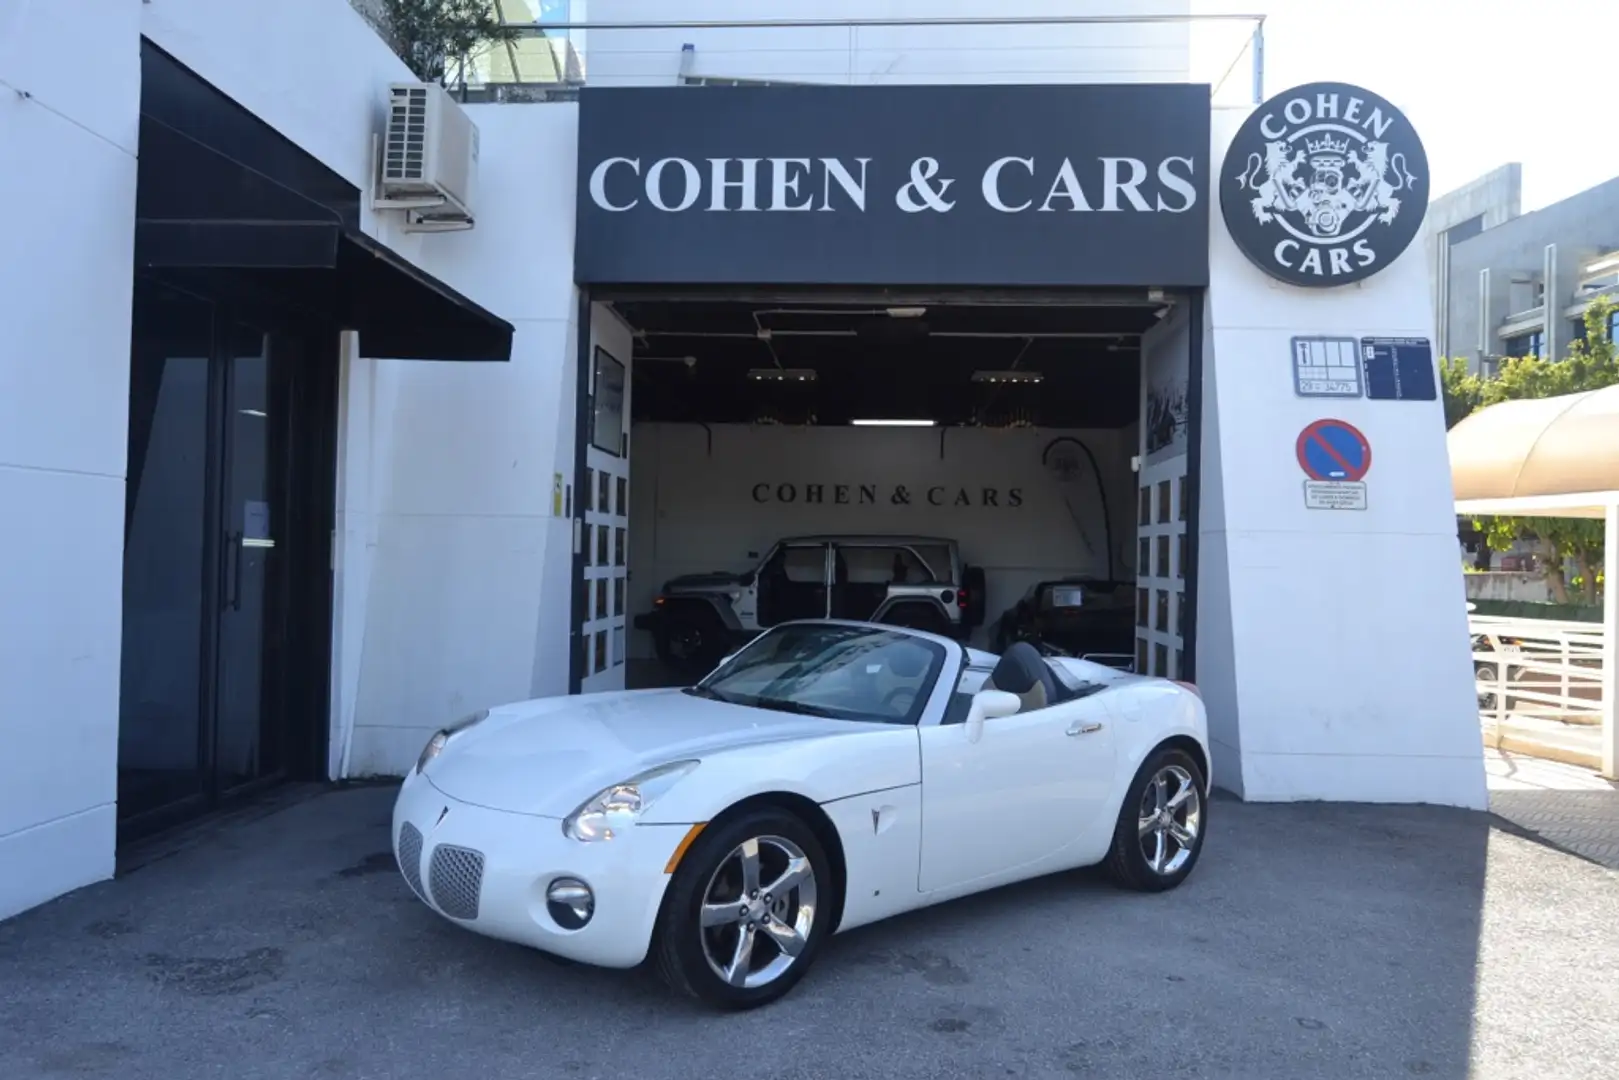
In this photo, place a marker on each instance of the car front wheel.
(747, 911)
(1161, 825)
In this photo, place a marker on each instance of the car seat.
(1024, 672)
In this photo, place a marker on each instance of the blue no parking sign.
(1333, 450)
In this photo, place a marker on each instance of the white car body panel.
(922, 813)
(991, 807)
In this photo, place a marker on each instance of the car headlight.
(441, 738)
(618, 807)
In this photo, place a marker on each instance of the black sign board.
(1399, 369)
(987, 186)
(1324, 185)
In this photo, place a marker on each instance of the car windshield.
(842, 672)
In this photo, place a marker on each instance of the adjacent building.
(1514, 284)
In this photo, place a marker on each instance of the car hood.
(548, 756)
(714, 579)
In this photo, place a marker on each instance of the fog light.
(570, 902)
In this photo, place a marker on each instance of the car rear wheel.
(1161, 825)
(690, 640)
(747, 911)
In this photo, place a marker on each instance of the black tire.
(972, 580)
(678, 946)
(1127, 862)
(690, 639)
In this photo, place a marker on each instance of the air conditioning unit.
(426, 160)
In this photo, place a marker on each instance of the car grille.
(456, 878)
(410, 858)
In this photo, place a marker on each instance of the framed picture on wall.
(607, 405)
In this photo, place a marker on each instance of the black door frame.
(295, 693)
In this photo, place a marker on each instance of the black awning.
(219, 190)
(405, 313)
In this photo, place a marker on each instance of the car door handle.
(1082, 728)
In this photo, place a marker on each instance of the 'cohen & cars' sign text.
(908, 185)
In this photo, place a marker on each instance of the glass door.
(247, 748)
(204, 584)
(161, 743)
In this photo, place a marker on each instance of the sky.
(1484, 83)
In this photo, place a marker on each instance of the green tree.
(1589, 364)
(434, 36)
(1462, 392)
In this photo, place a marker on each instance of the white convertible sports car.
(827, 775)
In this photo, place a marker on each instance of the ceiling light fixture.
(770, 374)
(1008, 376)
(893, 423)
(907, 312)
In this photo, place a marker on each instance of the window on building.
(1464, 230)
(1531, 344)
(1577, 327)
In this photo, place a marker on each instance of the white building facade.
(291, 485)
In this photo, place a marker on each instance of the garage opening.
(989, 467)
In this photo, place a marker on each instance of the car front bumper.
(489, 870)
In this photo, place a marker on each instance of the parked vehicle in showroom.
(915, 581)
(829, 775)
(1085, 617)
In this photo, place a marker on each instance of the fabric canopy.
(1550, 447)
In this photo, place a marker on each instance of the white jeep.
(916, 581)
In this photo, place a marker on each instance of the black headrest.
(1020, 670)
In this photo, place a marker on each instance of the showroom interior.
(888, 434)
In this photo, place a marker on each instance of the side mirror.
(989, 705)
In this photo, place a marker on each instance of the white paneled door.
(1161, 497)
(605, 502)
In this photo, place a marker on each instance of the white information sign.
(1326, 367)
(1335, 494)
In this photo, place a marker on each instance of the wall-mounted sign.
(1324, 185)
(1048, 185)
(1326, 367)
(1399, 369)
(1335, 456)
(1010, 498)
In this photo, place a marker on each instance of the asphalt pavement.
(1314, 941)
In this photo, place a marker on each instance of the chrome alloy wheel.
(1171, 816)
(758, 911)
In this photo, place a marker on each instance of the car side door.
(1029, 788)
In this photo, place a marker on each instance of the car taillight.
(961, 599)
(657, 601)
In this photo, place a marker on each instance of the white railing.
(1540, 682)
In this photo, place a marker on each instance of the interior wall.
(65, 295)
(1351, 675)
(694, 507)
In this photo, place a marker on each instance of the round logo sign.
(1324, 185)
